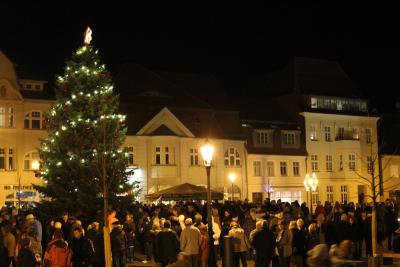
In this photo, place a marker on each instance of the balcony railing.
(347, 136)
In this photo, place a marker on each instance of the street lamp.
(35, 165)
(207, 152)
(232, 178)
(310, 183)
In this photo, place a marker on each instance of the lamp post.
(232, 178)
(310, 183)
(207, 152)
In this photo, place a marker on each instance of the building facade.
(22, 106)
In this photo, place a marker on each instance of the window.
(314, 162)
(158, 155)
(263, 137)
(257, 168)
(314, 102)
(6, 116)
(315, 196)
(352, 162)
(368, 135)
(289, 138)
(369, 164)
(194, 157)
(232, 157)
(329, 163)
(10, 159)
(131, 155)
(340, 163)
(2, 159)
(30, 159)
(270, 168)
(313, 133)
(340, 133)
(28, 86)
(327, 133)
(296, 168)
(329, 193)
(354, 133)
(343, 193)
(283, 166)
(394, 171)
(34, 120)
(37, 87)
(166, 149)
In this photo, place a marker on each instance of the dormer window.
(263, 137)
(28, 86)
(38, 87)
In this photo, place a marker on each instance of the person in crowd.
(190, 242)
(298, 243)
(240, 244)
(312, 237)
(204, 247)
(95, 235)
(343, 231)
(66, 225)
(8, 243)
(391, 223)
(129, 227)
(249, 224)
(156, 229)
(198, 220)
(318, 256)
(82, 249)
(167, 244)
(146, 225)
(119, 242)
(26, 258)
(319, 209)
(264, 243)
(58, 252)
(284, 241)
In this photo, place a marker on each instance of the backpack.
(59, 256)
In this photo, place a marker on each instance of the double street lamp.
(207, 152)
(310, 183)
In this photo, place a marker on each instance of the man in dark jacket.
(82, 249)
(118, 245)
(264, 244)
(167, 244)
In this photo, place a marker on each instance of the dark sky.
(231, 40)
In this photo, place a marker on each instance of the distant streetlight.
(207, 152)
(35, 165)
(232, 178)
(310, 183)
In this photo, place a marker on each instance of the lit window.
(6, 159)
(296, 168)
(34, 120)
(313, 133)
(10, 159)
(31, 161)
(131, 155)
(270, 168)
(166, 149)
(354, 132)
(352, 162)
(37, 87)
(328, 162)
(263, 137)
(314, 102)
(344, 193)
(257, 168)
(2, 159)
(314, 162)
(158, 155)
(283, 166)
(194, 157)
(329, 193)
(327, 133)
(163, 155)
(315, 196)
(232, 157)
(6, 116)
(340, 135)
(370, 164)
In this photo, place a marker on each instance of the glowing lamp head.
(311, 182)
(207, 152)
(35, 165)
(232, 177)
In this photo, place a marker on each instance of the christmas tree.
(83, 164)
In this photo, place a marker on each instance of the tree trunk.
(373, 226)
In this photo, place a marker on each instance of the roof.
(41, 95)
(308, 76)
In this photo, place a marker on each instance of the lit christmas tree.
(84, 166)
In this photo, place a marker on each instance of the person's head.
(26, 243)
(300, 223)
(259, 224)
(57, 225)
(198, 218)
(58, 234)
(203, 229)
(312, 228)
(346, 250)
(156, 227)
(129, 217)
(167, 224)
(5, 228)
(234, 224)
(64, 216)
(226, 213)
(188, 222)
(281, 225)
(29, 217)
(77, 232)
(343, 217)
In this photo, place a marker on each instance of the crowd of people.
(176, 234)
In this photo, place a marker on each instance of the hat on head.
(116, 223)
(57, 225)
(30, 217)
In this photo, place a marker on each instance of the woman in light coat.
(240, 244)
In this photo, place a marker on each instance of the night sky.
(232, 41)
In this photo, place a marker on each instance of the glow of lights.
(88, 36)
(35, 165)
(232, 177)
(207, 152)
